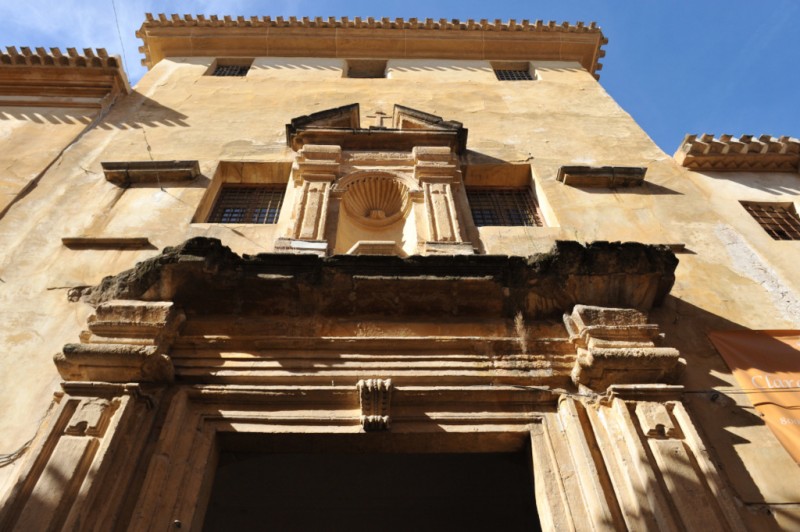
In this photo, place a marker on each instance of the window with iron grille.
(231, 70)
(513, 75)
(248, 205)
(504, 206)
(780, 220)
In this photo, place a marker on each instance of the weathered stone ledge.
(203, 276)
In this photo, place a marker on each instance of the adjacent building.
(315, 273)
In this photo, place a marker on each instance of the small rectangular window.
(504, 206)
(513, 70)
(248, 205)
(230, 67)
(779, 220)
(366, 68)
(231, 70)
(513, 75)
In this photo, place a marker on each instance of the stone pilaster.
(315, 168)
(436, 170)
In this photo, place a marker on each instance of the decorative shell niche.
(375, 216)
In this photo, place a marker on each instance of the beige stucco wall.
(30, 139)
(564, 117)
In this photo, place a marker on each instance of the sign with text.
(766, 364)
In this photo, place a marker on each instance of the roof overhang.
(191, 36)
(42, 78)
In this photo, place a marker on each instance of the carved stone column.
(436, 169)
(631, 460)
(315, 169)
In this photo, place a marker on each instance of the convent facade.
(390, 244)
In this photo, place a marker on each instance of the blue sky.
(677, 66)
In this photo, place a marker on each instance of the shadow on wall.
(132, 112)
(294, 66)
(775, 183)
(715, 413)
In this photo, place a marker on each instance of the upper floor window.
(366, 68)
(248, 204)
(780, 220)
(504, 206)
(509, 71)
(232, 67)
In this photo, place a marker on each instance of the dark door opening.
(369, 490)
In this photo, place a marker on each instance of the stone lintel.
(124, 174)
(601, 176)
(377, 139)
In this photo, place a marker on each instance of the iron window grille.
(248, 205)
(513, 75)
(231, 70)
(504, 206)
(779, 220)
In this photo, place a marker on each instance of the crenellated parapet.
(346, 37)
(43, 77)
(746, 153)
(40, 56)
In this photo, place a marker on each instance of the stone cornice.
(174, 35)
(38, 78)
(744, 154)
(201, 275)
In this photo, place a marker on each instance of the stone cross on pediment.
(379, 117)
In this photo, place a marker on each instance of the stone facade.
(369, 294)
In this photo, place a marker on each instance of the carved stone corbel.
(616, 346)
(127, 341)
(375, 397)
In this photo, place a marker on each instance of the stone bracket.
(126, 341)
(601, 176)
(616, 346)
(375, 396)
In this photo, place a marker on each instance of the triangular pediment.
(408, 118)
(410, 127)
(344, 117)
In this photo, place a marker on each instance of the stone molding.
(202, 273)
(38, 78)
(375, 398)
(743, 154)
(126, 341)
(341, 127)
(601, 176)
(165, 36)
(617, 346)
(124, 174)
